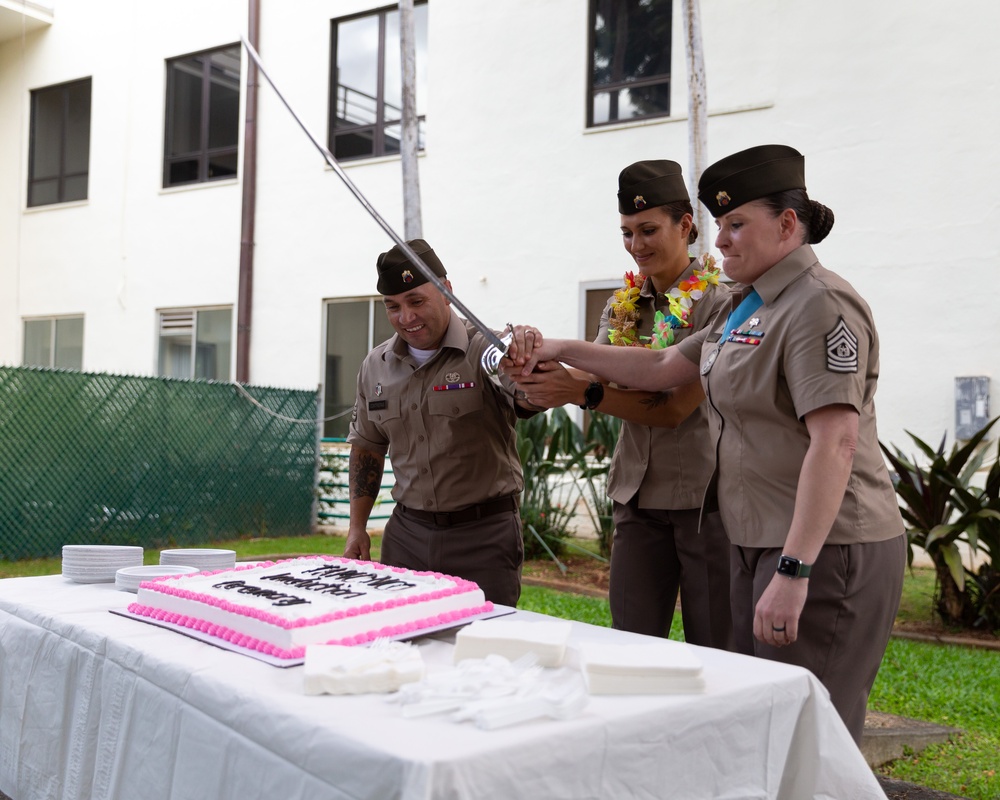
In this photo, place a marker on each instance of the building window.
(353, 327)
(196, 343)
(630, 60)
(366, 94)
(53, 342)
(59, 157)
(201, 142)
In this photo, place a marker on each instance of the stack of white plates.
(204, 558)
(97, 563)
(128, 578)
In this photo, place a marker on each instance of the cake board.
(498, 611)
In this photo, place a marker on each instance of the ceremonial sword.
(493, 354)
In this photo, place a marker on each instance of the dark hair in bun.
(676, 211)
(816, 218)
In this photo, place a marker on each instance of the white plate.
(203, 557)
(129, 578)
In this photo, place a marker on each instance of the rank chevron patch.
(841, 349)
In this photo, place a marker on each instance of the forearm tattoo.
(657, 400)
(366, 474)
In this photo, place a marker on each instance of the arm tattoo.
(366, 474)
(657, 400)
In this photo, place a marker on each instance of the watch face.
(788, 566)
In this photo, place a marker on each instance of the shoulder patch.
(841, 349)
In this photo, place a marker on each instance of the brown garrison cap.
(646, 184)
(396, 273)
(750, 175)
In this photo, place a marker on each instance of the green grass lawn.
(944, 684)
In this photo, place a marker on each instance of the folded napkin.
(513, 639)
(657, 667)
(382, 667)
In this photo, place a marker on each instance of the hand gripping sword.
(498, 347)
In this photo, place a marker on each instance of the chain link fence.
(109, 459)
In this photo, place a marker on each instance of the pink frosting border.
(163, 585)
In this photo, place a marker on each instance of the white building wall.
(894, 104)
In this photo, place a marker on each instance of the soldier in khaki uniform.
(426, 400)
(663, 544)
(819, 547)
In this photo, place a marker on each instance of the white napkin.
(658, 667)
(513, 639)
(382, 667)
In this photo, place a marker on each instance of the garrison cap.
(750, 175)
(646, 184)
(397, 274)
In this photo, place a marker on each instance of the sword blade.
(424, 270)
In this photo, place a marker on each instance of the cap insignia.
(723, 198)
(639, 201)
(407, 276)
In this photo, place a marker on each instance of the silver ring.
(778, 630)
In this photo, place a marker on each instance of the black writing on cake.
(277, 598)
(386, 582)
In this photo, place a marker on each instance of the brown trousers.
(658, 553)
(489, 551)
(853, 598)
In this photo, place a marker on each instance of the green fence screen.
(110, 459)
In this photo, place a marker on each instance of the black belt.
(445, 519)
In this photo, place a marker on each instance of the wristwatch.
(593, 395)
(793, 567)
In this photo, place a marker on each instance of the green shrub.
(941, 509)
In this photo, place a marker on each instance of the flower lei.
(623, 317)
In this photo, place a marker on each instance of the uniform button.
(413, 406)
(420, 438)
(427, 503)
(454, 410)
(423, 470)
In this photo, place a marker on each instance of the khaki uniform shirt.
(811, 344)
(669, 468)
(449, 448)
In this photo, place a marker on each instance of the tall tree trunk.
(409, 144)
(697, 114)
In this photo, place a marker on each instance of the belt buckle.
(442, 519)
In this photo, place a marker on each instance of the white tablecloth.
(94, 706)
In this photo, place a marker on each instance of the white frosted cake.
(280, 607)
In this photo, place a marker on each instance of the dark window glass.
(630, 60)
(59, 159)
(202, 117)
(366, 94)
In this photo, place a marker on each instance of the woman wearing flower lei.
(664, 457)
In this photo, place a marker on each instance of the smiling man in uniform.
(425, 399)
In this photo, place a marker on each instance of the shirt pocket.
(456, 404)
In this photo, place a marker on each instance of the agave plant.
(941, 509)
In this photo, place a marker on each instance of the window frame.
(54, 321)
(204, 153)
(195, 311)
(65, 136)
(376, 307)
(377, 128)
(594, 90)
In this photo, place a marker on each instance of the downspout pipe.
(244, 310)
